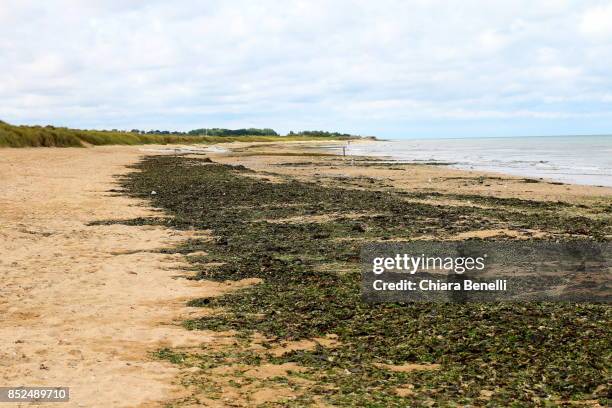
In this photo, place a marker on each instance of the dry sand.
(84, 306)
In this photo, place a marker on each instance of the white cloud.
(596, 21)
(298, 64)
(493, 41)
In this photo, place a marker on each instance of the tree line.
(247, 132)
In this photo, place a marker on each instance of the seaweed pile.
(303, 240)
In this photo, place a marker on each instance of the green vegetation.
(36, 136)
(536, 354)
(323, 134)
(51, 136)
(234, 132)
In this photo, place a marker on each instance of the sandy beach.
(87, 305)
(84, 305)
(305, 204)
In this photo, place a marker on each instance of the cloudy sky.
(407, 68)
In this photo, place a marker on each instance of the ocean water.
(568, 159)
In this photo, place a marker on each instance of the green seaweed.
(520, 354)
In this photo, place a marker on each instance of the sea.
(568, 159)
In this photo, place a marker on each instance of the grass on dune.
(36, 136)
(50, 136)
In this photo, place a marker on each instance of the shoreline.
(489, 160)
(423, 177)
(91, 241)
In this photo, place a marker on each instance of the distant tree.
(322, 133)
(233, 132)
